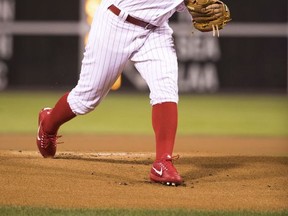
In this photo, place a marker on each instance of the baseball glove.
(208, 15)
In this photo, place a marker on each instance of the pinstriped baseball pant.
(111, 43)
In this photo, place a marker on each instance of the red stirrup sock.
(164, 121)
(60, 114)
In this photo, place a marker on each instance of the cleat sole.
(169, 183)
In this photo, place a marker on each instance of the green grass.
(127, 212)
(235, 115)
(240, 115)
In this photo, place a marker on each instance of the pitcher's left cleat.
(164, 172)
(46, 143)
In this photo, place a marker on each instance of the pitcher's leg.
(104, 59)
(161, 74)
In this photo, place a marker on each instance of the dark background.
(247, 63)
(47, 10)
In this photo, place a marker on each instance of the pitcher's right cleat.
(164, 172)
(46, 143)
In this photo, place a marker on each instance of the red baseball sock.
(164, 121)
(60, 114)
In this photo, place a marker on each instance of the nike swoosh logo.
(159, 172)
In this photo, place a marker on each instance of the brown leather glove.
(208, 15)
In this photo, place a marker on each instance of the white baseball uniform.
(113, 41)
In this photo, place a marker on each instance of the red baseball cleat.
(164, 172)
(46, 143)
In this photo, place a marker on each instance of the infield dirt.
(89, 171)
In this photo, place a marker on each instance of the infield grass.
(11, 211)
(240, 115)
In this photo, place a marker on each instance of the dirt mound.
(116, 175)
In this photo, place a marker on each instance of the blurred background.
(42, 43)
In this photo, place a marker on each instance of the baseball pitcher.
(125, 30)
